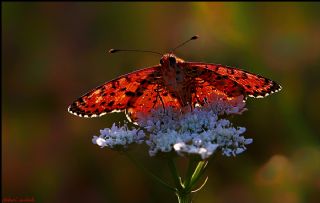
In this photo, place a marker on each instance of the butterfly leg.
(158, 90)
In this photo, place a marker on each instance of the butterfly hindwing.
(150, 97)
(206, 82)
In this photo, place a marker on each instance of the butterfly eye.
(172, 60)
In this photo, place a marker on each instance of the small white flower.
(99, 141)
(179, 146)
(248, 141)
(205, 151)
(118, 136)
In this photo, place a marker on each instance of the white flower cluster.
(199, 131)
(118, 136)
(223, 105)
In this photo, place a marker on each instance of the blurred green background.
(52, 53)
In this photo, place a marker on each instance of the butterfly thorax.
(174, 78)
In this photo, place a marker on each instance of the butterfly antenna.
(180, 45)
(111, 51)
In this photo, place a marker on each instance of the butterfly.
(172, 83)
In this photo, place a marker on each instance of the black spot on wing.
(110, 103)
(129, 94)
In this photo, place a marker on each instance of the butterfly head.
(170, 60)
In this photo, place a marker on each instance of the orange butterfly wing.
(152, 96)
(139, 91)
(254, 85)
(114, 95)
(205, 82)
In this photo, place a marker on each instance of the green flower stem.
(183, 190)
(190, 170)
(195, 171)
(152, 175)
(184, 198)
(175, 173)
(198, 172)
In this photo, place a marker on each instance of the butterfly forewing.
(115, 95)
(206, 82)
(254, 85)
